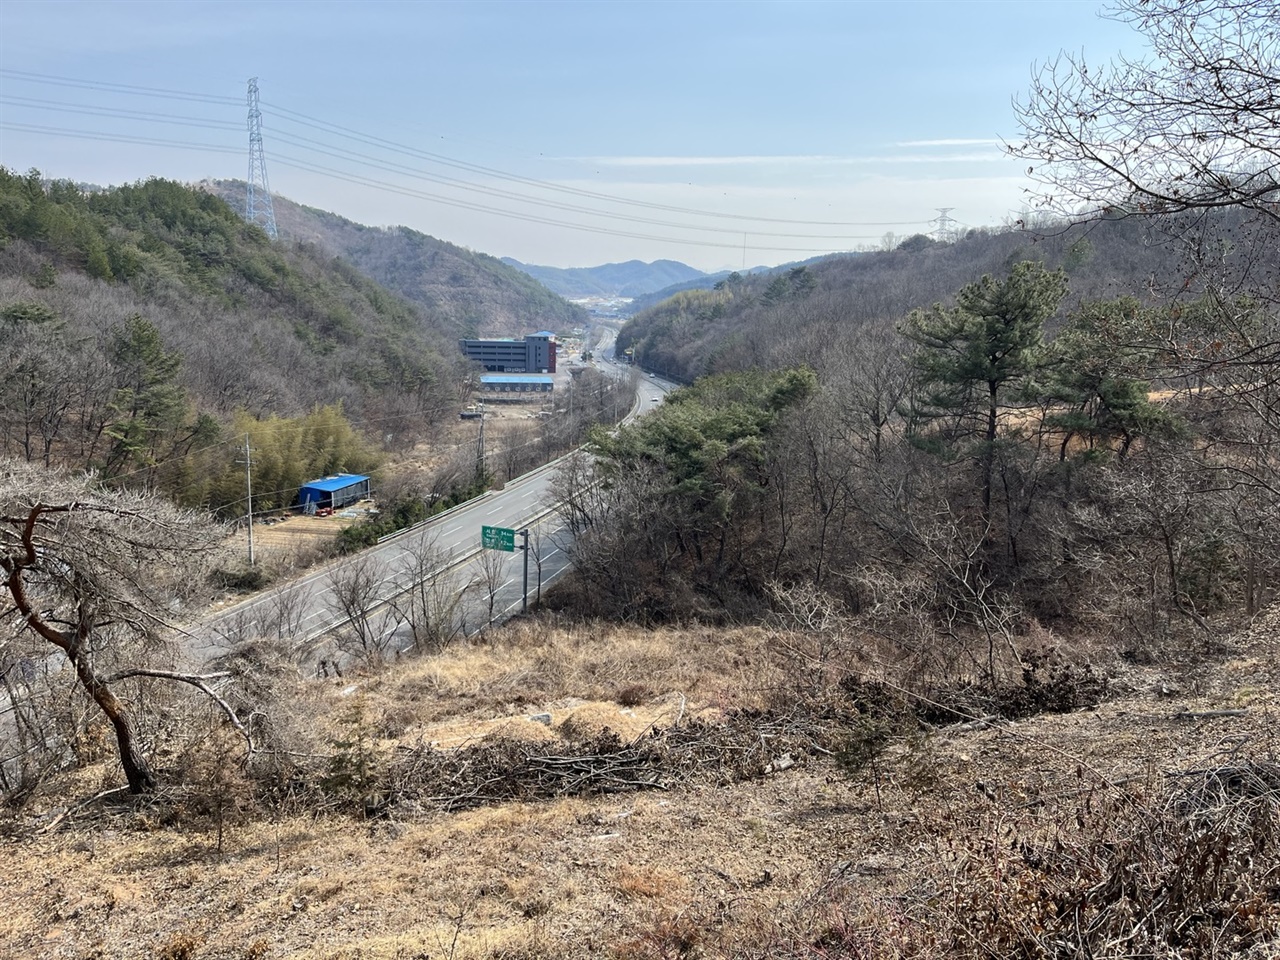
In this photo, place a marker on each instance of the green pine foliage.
(699, 464)
(149, 322)
(977, 358)
(1096, 381)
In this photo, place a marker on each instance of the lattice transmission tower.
(945, 228)
(257, 205)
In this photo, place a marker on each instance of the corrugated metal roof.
(340, 482)
(515, 378)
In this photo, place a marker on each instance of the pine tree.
(978, 357)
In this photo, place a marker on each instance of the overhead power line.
(371, 160)
(61, 106)
(340, 154)
(297, 164)
(305, 120)
(125, 88)
(119, 138)
(386, 187)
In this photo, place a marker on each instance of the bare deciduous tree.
(1191, 127)
(355, 586)
(491, 573)
(96, 575)
(429, 604)
(287, 614)
(540, 546)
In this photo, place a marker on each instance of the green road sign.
(498, 538)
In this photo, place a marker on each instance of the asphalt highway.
(307, 614)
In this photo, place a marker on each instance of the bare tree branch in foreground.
(95, 574)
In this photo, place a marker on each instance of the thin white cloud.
(705, 161)
(957, 142)
(797, 160)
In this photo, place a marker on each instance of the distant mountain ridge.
(708, 281)
(633, 278)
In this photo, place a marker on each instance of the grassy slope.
(908, 858)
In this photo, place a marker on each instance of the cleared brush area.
(579, 790)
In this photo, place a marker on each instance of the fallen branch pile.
(1187, 873)
(744, 745)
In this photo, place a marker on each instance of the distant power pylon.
(945, 225)
(257, 206)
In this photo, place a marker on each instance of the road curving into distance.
(314, 615)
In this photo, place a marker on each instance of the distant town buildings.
(610, 308)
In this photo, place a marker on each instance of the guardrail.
(378, 604)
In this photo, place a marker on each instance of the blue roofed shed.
(333, 493)
(516, 383)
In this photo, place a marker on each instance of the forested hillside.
(934, 618)
(139, 320)
(957, 444)
(755, 318)
(460, 292)
(707, 282)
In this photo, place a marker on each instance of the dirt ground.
(285, 536)
(289, 531)
(692, 870)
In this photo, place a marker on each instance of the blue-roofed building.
(513, 386)
(333, 493)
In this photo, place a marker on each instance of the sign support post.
(524, 604)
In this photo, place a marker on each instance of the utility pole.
(258, 207)
(480, 445)
(248, 484)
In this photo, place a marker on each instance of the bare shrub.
(213, 784)
(431, 598)
(633, 694)
(356, 591)
(1184, 871)
(812, 634)
(39, 729)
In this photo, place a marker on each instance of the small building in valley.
(515, 386)
(536, 353)
(333, 493)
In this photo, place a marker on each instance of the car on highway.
(653, 399)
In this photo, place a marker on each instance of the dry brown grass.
(541, 666)
(892, 862)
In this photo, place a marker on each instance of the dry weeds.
(952, 843)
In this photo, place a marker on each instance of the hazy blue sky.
(567, 134)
